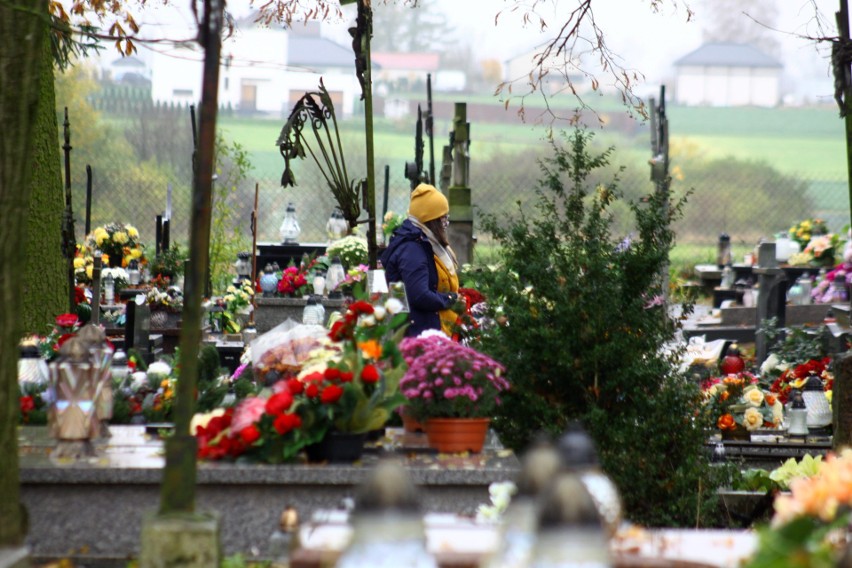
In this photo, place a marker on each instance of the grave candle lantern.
(290, 229)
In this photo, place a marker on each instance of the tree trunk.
(22, 33)
(45, 279)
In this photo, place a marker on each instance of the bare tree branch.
(561, 56)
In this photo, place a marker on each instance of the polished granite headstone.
(94, 509)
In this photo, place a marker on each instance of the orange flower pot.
(409, 423)
(451, 435)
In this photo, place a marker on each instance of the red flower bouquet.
(294, 281)
(353, 389)
(794, 377)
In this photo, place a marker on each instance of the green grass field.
(808, 142)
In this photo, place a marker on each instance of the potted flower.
(346, 389)
(810, 523)
(118, 243)
(293, 282)
(785, 377)
(358, 388)
(804, 230)
(449, 385)
(236, 306)
(352, 251)
(738, 406)
(168, 265)
(166, 307)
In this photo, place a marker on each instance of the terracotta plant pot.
(409, 423)
(450, 435)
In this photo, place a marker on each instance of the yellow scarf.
(447, 282)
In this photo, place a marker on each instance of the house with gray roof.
(265, 69)
(728, 74)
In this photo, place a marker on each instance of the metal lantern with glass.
(797, 416)
(335, 277)
(243, 267)
(819, 410)
(290, 229)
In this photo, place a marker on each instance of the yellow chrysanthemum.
(135, 253)
(120, 237)
(89, 271)
(132, 232)
(79, 263)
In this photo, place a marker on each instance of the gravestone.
(137, 329)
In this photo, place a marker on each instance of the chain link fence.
(744, 199)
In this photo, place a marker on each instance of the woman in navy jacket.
(419, 255)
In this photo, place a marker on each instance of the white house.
(264, 70)
(518, 67)
(727, 74)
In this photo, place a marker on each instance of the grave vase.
(337, 447)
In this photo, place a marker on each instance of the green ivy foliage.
(582, 336)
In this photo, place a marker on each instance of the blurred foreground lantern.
(580, 457)
(387, 523)
(77, 380)
(518, 531)
(570, 532)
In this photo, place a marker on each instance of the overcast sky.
(646, 41)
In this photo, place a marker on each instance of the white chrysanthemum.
(769, 364)
(160, 369)
(393, 306)
(431, 332)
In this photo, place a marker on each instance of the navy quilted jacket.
(409, 259)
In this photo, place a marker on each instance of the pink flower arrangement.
(446, 379)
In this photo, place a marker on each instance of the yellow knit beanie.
(427, 203)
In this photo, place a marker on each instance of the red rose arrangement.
(466, 327)
(65, 327)
(293, 281)
(354, 390)
(796, 376)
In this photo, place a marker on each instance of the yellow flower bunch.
(118, 244)
(803, 231)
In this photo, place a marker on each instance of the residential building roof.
(316, 51)
(407, 61)
(727, 54)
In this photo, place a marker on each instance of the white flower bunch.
(116, 273)
(352, 250)
(501, 493)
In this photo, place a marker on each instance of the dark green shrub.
(585, 337)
